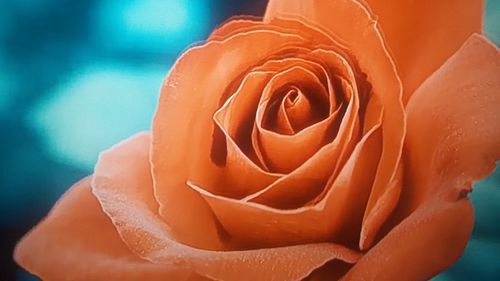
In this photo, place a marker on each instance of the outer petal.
(77, 241)
(453, 139)
(423, 34)
(125, 195)
(453, 121)
(122, 184)
(424, 244)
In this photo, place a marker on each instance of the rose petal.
(356, 27)
(282, 263)
(377, 211)
(233, 25)
(235, 118)
(372, 112)
(237, 115)
(423, 34)
(453, 122)
(77, 241)
(306, 86)
(303, 183)
(291, 110)
(256, 225)
(243, 25)
(276, 149)
(183, 127)
(240, 175)
(305, 58)
(124, 194)
(424, 244)
(318, 38)
(453, 139)
(268, 140)
(122, 183)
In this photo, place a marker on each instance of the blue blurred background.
(79, 76)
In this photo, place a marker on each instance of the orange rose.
(309, 144)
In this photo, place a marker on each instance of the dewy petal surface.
(423, 34)
(453, 122)
(77, 241)
(453, 139)
(122, 183)
(121, 190)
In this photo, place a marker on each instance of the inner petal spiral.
(293, 109)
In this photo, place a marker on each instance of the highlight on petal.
(244, 24)
(77, 241)
(126, 198)
(233, 25)
(283, 263)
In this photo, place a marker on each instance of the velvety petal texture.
(77, 241)
(125, 194)
(453, 122)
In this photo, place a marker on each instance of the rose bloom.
(329, 139)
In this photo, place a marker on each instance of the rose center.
(292, 110)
